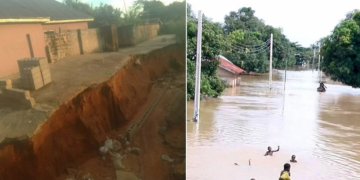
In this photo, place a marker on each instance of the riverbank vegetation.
(240, 32)
(341, 51)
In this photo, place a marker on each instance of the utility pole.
(321, 71)
(198, 70)
(270, 69)
(319, 61)
(285, 73)
(314, 57)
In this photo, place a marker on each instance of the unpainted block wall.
(143, 33)
(91, 40)
(73, 42)
(135, 34)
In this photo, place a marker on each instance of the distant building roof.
(229, 66)
(39, 10)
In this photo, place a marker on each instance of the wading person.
(322, 87)
(270, 151)
(285, 174)
(293, 159)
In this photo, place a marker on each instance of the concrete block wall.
(5, 84)
(57, 44)
(73, 42)
(135, 34)
(21, 96)
(92, 40)
(145, 32)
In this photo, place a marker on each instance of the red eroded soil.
(71, 137)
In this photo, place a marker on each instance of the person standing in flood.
(285, 174)
(270, 151)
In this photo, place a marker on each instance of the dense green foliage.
(341, 51)
(242, 39)
(212, 44)
(171, 16)
(255, 33)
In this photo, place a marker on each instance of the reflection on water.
(321, 129)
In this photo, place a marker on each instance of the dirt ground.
(79, 123)
(70, 77)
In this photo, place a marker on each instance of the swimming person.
(270, 152)
(285, 174)
(293, 159)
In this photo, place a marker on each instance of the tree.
(341, 51)
(256, 37)
(213, 41)
(107, 14)
(103, 14)
(133, 15)
(80, 6)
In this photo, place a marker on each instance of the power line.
(264, 43)
(259, 51)
(251, 49)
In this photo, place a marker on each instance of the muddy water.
(321, 129)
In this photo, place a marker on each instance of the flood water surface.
(321, 129)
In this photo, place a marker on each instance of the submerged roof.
(229, 66)
(39, 9)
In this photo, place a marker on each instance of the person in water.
(293, 159)
(322, 87)
(270, 151)
(285, 174)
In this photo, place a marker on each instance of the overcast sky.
(303, 21)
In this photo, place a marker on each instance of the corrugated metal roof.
(26, 9)
(228, 65)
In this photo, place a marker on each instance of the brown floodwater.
(321, 129)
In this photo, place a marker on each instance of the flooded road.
(321, 129)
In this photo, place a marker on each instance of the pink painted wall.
(14, 45)
(65, 26)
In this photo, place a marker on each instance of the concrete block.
(17, 93)
(31, 72)
(25, 84)
(46, 76)
(47, 80)
(45, 71)
(29, 102)
(36, 84)
(31, 78)
(5, 84)
(39, 61)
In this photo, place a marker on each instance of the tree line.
(172, 16)
(240, 27)
(341, 51)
